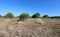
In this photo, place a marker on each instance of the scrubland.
(37, 27)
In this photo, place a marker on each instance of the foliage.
(9, 15)
(45, 16)
(36, 15)
(0, 15)
(30, 16)
(24, 16)
(55, 17)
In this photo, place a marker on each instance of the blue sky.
(50, 7)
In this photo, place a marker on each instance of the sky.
(50, 7)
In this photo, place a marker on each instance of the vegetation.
(9, 15)
(0, 16)
(36, 15)
(45, 16)
(23, 16)
(30, 16)
(55, 17)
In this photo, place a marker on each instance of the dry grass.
(29, 28)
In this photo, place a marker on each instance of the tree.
(30, 16)
(23, 16)
(0, 15)
(45, 16)
(9, 15)
(36, 15)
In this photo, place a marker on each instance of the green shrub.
(9, 15)
(0, 16)
(30, 16)
(23, 16)
(36, 15)
(45, 16)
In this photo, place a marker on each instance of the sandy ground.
(29, 28)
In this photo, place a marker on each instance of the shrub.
(30, 16)
(0, 16)
(9, 15)
(45, 16)
(36, 15)
(23, 16)
(55, 17)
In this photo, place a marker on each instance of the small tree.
(30, 16)
(45, 16)
(9, 15)
(0, 15)
(23, 16)
(36, 15)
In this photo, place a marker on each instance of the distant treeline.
(54, 17)
(25, 15)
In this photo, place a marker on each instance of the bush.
(55, 17)
(45, 16)
(23, 16)
(9, 15)
(0, 16)
(30, 16)
(36, 15)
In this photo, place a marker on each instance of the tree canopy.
(9, 15)
(23, 16)
(36, 15)
(45, 16)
